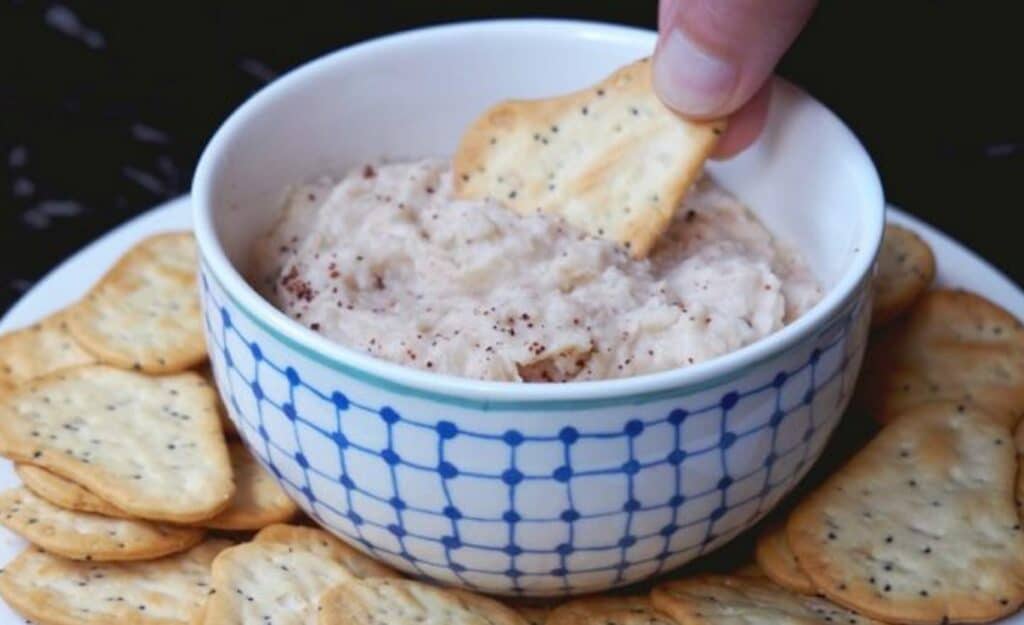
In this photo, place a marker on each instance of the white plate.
(957, 266)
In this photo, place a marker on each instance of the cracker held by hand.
(920, 526)
(150, 446)
(778, 562)
(39, 349)
(64, 493)
(612, 160)
(144, 313)
(953, 345)
(258, 500)
(906, 268)
(54, 591)
(87, 536)
(726, 600)
(404, 602)
(626, 610)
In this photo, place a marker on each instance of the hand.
(715, 58)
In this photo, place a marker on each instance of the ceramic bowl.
(519, 488)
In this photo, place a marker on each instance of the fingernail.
(690, 79)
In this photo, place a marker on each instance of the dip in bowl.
(507, 486)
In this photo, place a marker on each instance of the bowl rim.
(456, 390)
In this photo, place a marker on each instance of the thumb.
(714, 55)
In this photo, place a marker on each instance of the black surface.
(105, 106)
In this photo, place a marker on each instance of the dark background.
(105, 106)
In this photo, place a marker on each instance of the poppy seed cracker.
(150, 446)
(951, 345)
(920, 526)
(611, 159)
(280, 575)
(39, 349)
(55, 591)
(319, 542)
(269, 583)
(144, 313)
(88, 536)
(906, 268)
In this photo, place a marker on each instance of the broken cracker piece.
(405, 602)
(906, 268)
(727, 600)
(144, 313)
(55, 591)
(778, 562)
(920, 527)
(611, 159)
(150, 446)
(87, 536)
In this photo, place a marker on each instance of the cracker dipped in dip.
(389, 262)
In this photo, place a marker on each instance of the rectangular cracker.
(87, 536)
(611, 159)
(151, 447)
(144, 313)
(920, 526)
(374, 601)
(52, 590)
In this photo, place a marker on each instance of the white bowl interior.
(411, 95)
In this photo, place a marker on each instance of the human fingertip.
(690, 79)
(745, 125)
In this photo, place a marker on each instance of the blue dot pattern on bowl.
(396, 482)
